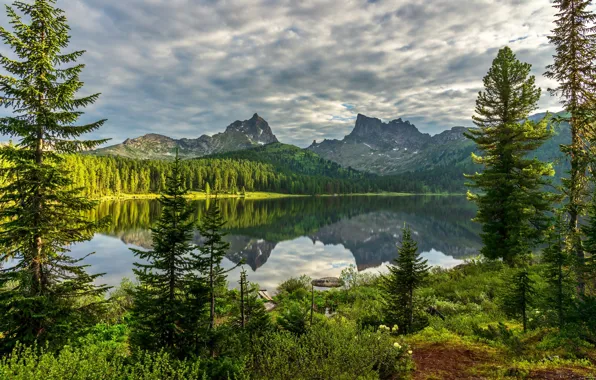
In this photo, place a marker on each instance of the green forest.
(523, 308)
(275, 168)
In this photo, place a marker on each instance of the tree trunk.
(242, 286)
(574, 205)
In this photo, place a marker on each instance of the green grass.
(203, 195)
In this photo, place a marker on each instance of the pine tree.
(512, 203)
(212, 251)
(253, 317)
(169, 302)
(589, 230)
(405, 276)
(574, 68)
(207, 189)
(41, 211)
(520, 295)
(557, 271)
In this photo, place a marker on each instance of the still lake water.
(288, 237)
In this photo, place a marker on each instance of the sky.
(184, 68)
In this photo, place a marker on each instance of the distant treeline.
(103, 176)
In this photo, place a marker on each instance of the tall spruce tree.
(212, 251)
(574, 68)
(40, 212)
(512, 202)
(557, 271)
(171, 297)
(404, 277)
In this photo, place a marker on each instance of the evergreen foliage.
(574, 68)
(557, 272)
(112, 175)
(512, 200)
(40, 210)
(211, 253)
(294, 318)
(404, 277)
(589, 232)
(520, 295)
(171, 298)
(252, 317)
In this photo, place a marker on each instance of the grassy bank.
(266, 195)
(202, 195)
(473, 339)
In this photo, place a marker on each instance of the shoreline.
(196, 195)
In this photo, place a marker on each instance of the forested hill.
(290, 158)
(280, 169)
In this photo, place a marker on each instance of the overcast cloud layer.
(185, 68)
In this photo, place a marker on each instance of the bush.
(95, 361)
(293, 284)
(334, 349)
(294, 317)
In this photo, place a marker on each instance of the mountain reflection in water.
(317, 236)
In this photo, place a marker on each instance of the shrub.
(94, 361)
(293, 284)
(335, 349)
(294, 317)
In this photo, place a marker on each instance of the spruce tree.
(252, 318)
(171, 298)
(512, 203)
(211, 253)
(520, 294)
(574, 68)
(589, 230)
(404, 277)
(40, 210)
(557, 273)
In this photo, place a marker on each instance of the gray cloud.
(184, 68)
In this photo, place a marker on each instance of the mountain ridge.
(390, 148)
(237, 136)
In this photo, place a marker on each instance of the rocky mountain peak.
(394, 134)
(237, 136)
(256, 129)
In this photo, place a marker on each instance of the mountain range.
(238, 136)
(396, 147)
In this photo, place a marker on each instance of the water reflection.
(281, 238)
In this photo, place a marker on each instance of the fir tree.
(520, 295)
(512, 202)
(170, 299)
(589, 230)
(557, 271)
(212, 251)
(404, 278)
(41, 211)
(574, 69)
(253, 318)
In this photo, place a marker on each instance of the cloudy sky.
(184, 68)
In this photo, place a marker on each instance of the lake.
(288, 237)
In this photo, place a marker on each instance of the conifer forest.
(505, 289)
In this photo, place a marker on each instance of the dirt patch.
(439, 361)
(566, 374)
